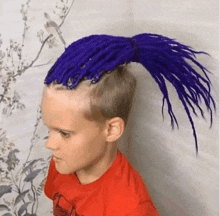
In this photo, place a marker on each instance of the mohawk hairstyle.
(164, 58)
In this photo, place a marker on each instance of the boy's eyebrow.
(58, 129)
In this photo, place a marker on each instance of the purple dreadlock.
(164, 58)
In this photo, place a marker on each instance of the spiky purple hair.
(164, 58)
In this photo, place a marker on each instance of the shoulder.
(128, 191)
(143, 209)
(132, 181)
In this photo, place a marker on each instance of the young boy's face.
(77, 142)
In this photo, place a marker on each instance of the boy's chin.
(63, 170)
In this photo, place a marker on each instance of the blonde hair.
(110, 97)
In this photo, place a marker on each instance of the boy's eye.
(65, 135)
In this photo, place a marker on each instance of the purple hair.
(164, 58)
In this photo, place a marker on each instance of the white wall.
(179, 183)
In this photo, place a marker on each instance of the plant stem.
(66, 14)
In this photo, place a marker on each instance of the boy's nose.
(52, 143)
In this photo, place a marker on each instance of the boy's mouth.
(56, 158)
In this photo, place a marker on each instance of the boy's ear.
(115, 128)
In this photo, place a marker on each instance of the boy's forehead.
(77, 98)
(82, 90)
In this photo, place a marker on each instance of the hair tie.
(136, 50)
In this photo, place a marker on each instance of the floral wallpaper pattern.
(19, 190)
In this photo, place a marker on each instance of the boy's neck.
(98, 169)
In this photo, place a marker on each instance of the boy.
(85, 105)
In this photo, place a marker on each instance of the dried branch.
(21, 67)
(36, 58)
(66, 14)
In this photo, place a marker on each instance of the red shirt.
(120, 191)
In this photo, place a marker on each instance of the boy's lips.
(56, 157)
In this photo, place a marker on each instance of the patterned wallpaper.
(22, 177)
